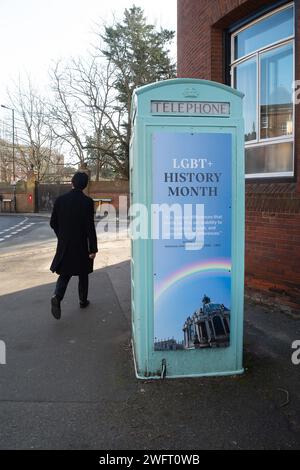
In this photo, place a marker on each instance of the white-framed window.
(262, 67)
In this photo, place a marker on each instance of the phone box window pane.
(274, 158)
(245, 81)
(274, 28)
(276, 110)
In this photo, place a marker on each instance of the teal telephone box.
(187, 229)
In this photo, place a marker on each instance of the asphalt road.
(23, 230)
(17, 231)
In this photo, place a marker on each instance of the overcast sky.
(35, 32)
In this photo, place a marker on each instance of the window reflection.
(274, 28)
(245, 80)
(273, 158)
(276, 108)
(263, 69)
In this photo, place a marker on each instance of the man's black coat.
(73, 222)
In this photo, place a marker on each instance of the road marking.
(13, 227)
(17, 228)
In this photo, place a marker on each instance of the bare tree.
(95, 84)
(34, 136)
(84, 114)
(66, 112)
(92, 96)
(5, 161)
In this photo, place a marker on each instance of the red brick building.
(254, 45)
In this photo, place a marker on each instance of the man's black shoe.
(55, 307)
(84, 304)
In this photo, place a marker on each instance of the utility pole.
(13, 153)
(13, 139)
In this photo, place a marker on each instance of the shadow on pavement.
(70, 384)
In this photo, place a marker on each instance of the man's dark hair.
(80, 180)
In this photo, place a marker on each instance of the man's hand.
(92, 255)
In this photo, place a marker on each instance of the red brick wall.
(109, 189)
(200, 27)
(23, 204)
(273, 237)
(272, 209)
(297, 108)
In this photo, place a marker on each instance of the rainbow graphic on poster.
(214, 267)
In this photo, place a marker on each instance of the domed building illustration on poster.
(207, 327)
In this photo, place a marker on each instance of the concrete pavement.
(71, 384)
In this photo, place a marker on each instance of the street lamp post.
(13, 151)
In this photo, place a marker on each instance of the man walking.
(73, 223)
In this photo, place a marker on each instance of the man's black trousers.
(83, 286)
